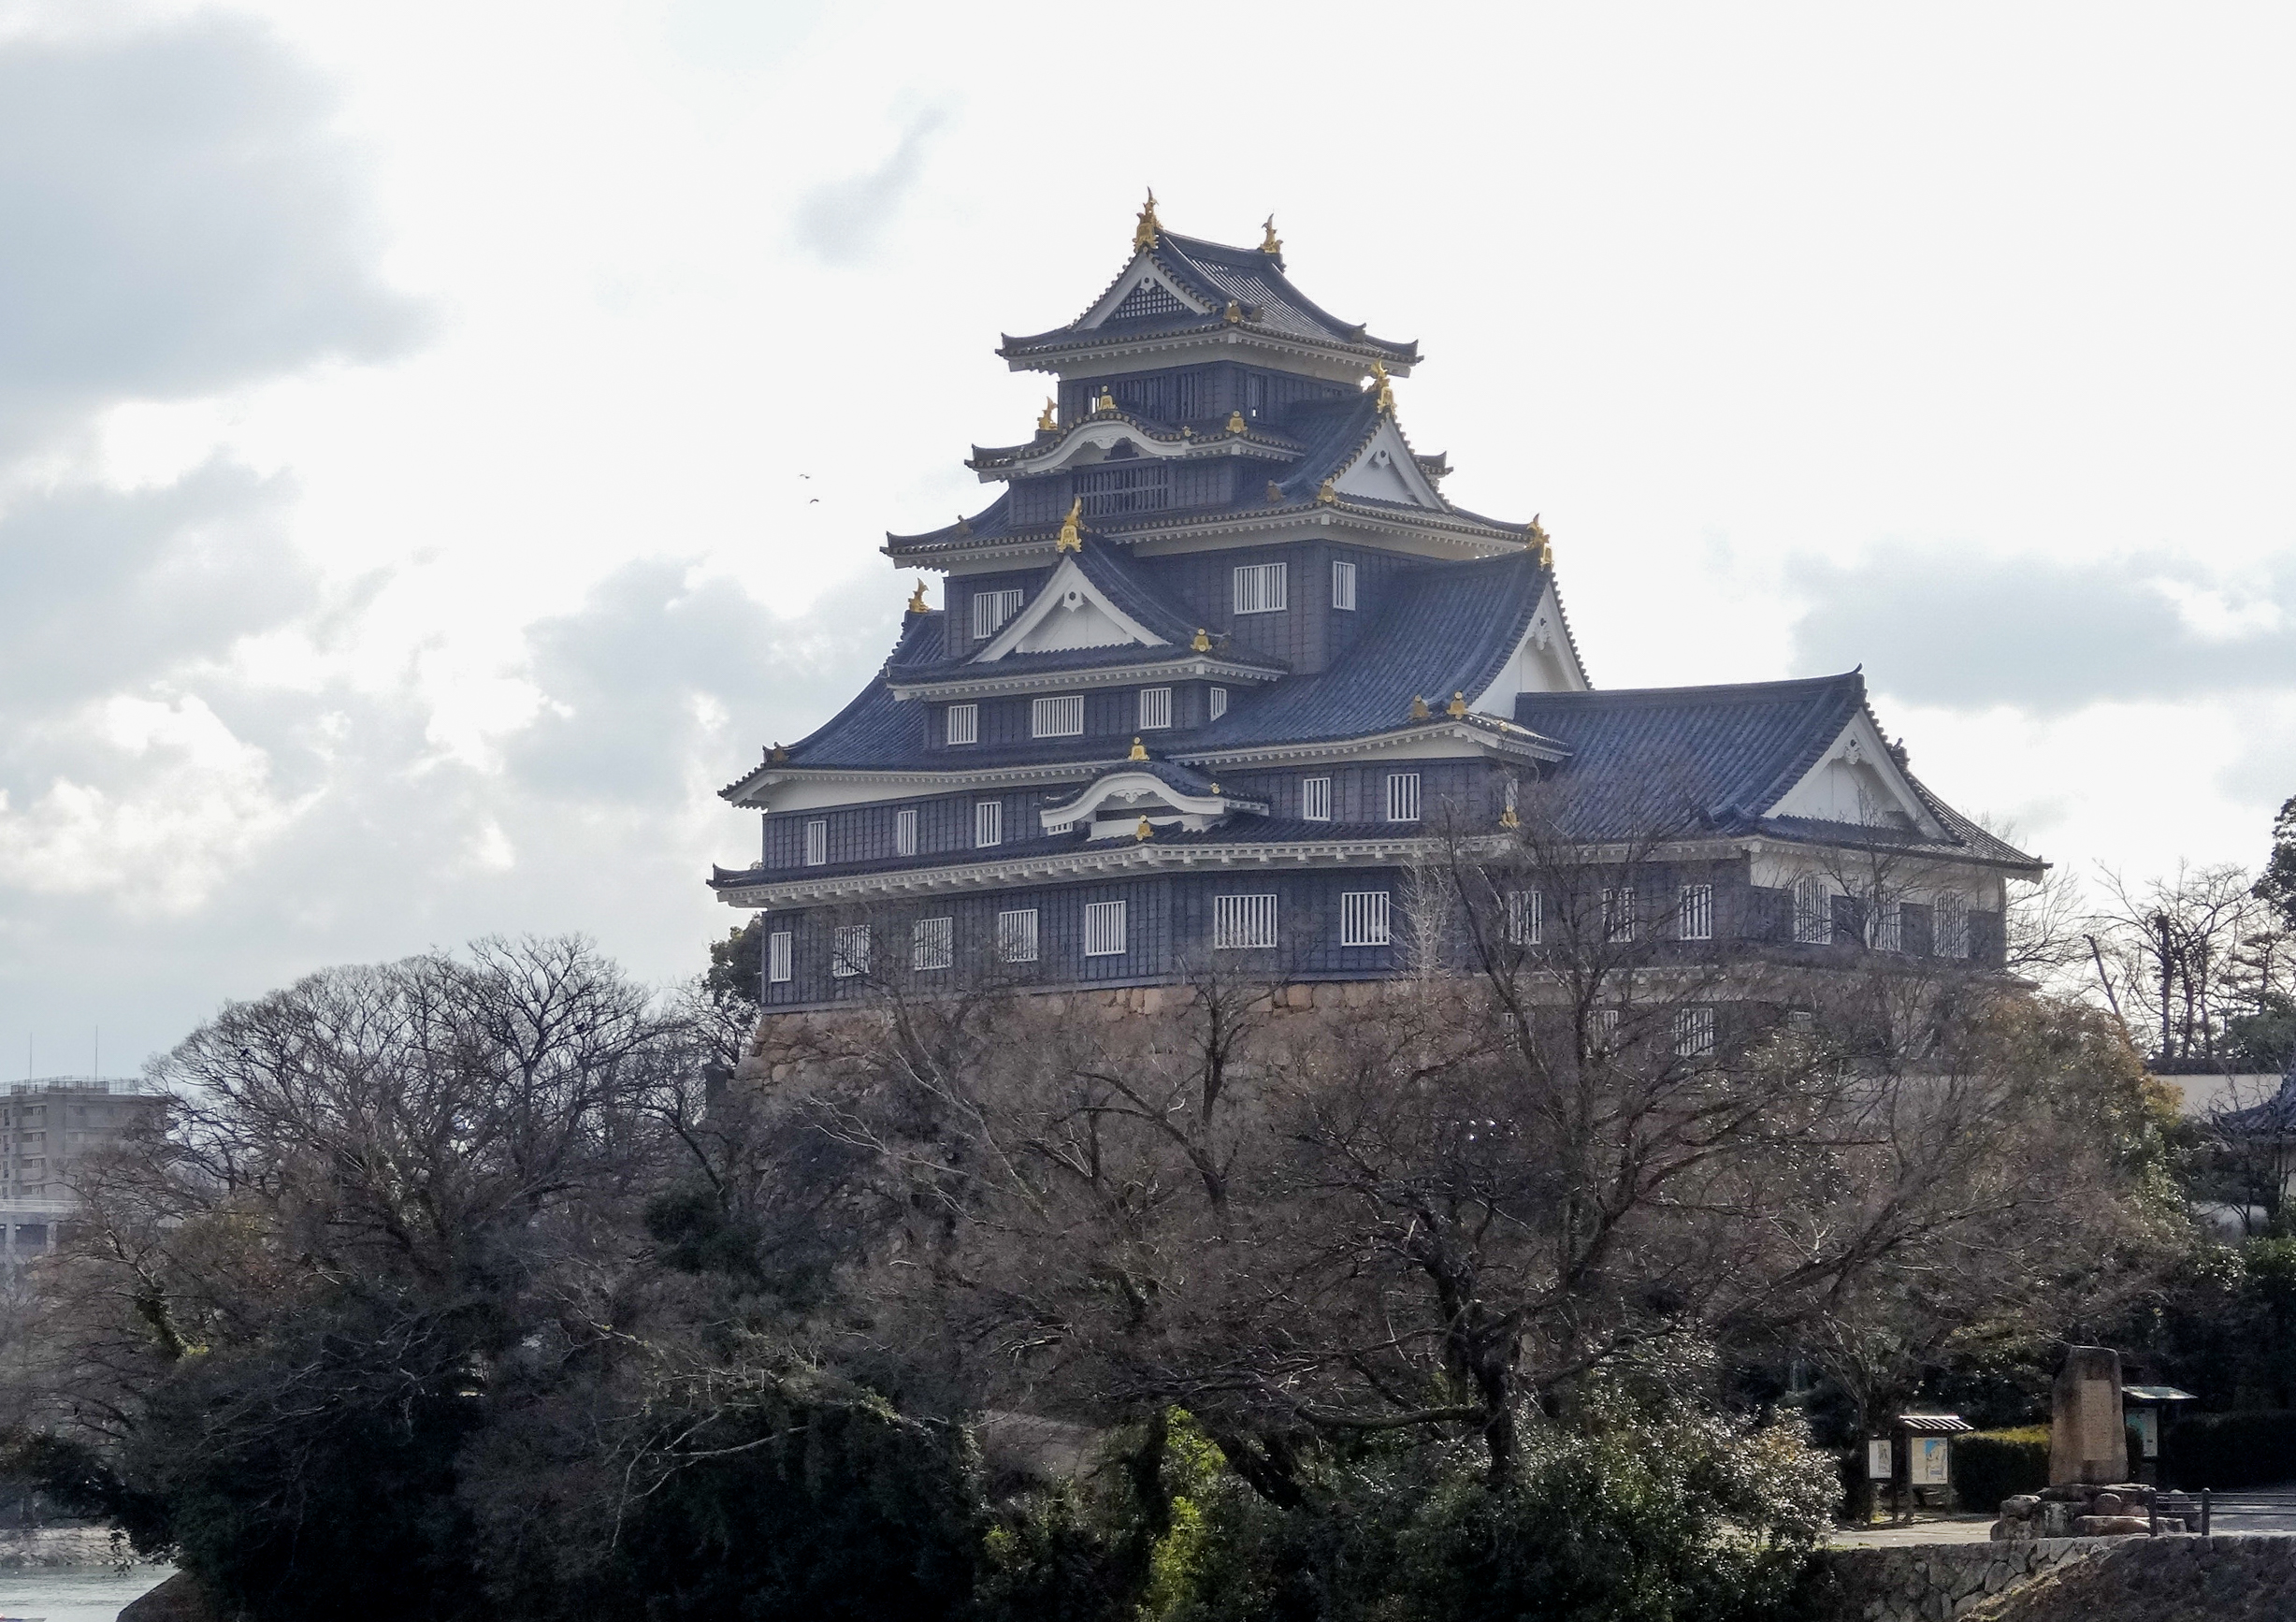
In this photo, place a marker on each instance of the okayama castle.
(1221, 657)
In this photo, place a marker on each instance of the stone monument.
(2087, 1440)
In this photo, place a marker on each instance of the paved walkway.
(2264, 1510)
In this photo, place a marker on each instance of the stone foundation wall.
(2164, 1579)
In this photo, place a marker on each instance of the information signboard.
(1932, 1461)
(1877, 1459)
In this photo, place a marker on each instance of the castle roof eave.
(1478, 536)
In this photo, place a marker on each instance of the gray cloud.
(840, 223)
(1972, 633)
(176, 219)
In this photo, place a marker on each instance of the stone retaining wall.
(2138, 1579)
(28, 1548)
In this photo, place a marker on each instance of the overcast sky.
(441, 444)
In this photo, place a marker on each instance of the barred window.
(1602, 1029)
(904, 833)
(988, 823)
(1694, 912)
(1104, 929)
(817, 842)
(992, 609)
(1061, 717)
(1694, 1032)
(1403, 796)
(1147, 300)
(1526, 917)
(1241, 921)
(1951, 926)
(1315, 798)
(1618, 914)
(850, 955)
(1016, 935)
(1216, 703)
(778, 955)
(933, 944)
(1260, 588)
(1363, 919)
(1813, 911)
(1888, 927)
(1119, 492)
(963, 724)
(1155, 708)
(1343, 584)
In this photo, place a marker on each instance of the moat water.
(76, 1593)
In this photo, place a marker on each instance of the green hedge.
(1990, 1465)
(2225, 1451)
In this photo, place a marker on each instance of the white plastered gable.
(1543, 661)
(1385, 471)
(1856, 781)
(1142, 270)
(1069, 611)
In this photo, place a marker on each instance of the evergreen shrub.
(2227, 1451)
(1991, 1465)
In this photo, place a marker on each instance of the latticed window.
(988, 823)
(1951, 925)
(1016, 935)
(1618, 914)
(1148, 301)
(963, 724)
(849, 956)
(1526, 917)
(1216, 702)
(933, 942)
(1403, 796)
(992, 609)
(1363, 919)
(904, 833)
(1602, 1029)
(1240, 921)
(1694, 1032)
(1155, 708)
(1104, 929)
(1061, 717)
(1113, 492)
(1315, 798)
(779, 954)
(1260, 588)
(1813, 911)
(1343, 584)
(817, 842)
(1888, 927)
(1694, 912)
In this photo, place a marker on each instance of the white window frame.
(1618, 914)
(1261, 587)
(1526, 917)
(963, 724)
(1949, 925)
(1216, 703)
(1343, 584)
(933, 942)
(992, 609)
(849, 951)
(1016, 935)
(1403, 796)
(1104, 929)
(1061, 716)
(1694, 1032)
(1155, 709)
(905, 832)
(780, 957)
(1243, 922)
(1694, 912)
(818, 841)
(1364, 919)
(1315, 798)
(988, 823)
(1813, 911)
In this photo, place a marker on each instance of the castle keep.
(1220, 658)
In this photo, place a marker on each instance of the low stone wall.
(28, 1548)
(2140, 1579)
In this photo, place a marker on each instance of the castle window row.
(992, 609)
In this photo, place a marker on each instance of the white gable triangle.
(1068, 612)
(1542, 662)
(1857, 782)
(1144, 289)
(1385, 471)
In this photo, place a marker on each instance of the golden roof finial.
(1106, 402)
(916, 598)
(1144, 234)
(1457, 707)
(1044, 423)
(1215, 787)
(1419, 707)
(1275, 492)
(1508, 819)
(1537, 536)
(1203, 643)
(1144, 830)
(1271, 243)
(1236, 422)
(1326, 496)
(1139, 751)
(1386, 390)
(1233, 313)
(1072, 533)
